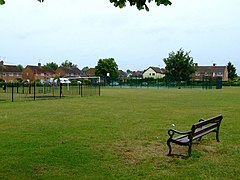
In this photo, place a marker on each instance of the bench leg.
(189, 149)
(217, 136)
(170, 148)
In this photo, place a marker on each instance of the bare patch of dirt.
(138, 151)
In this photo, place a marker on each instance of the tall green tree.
(231, 71)
(140, 4)
(20, 67)
(52, 65)
(85, 69)
(107, 67)
(179, 66)
(68, 63)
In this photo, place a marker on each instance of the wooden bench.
(198, 130)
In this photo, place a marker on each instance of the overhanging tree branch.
(140, 4)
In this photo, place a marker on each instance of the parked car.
(114, 84)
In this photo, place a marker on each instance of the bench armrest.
(171, 132)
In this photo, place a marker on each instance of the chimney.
(1, 63)
(39, 64)
(214, 64)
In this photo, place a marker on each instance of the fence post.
(60, 90)
(34, 91)
(12, 92)
(17, 87)
(23, 88)
(81, 90)
(99, 90)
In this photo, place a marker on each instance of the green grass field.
(120, 135)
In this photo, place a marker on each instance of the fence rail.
(32, 91)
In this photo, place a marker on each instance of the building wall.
(150, 73)
(10, 76)
(27, 74)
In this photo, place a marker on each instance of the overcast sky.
(83, 31)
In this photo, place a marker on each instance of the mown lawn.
(120, 135)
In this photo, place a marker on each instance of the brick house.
(210, 71)
(68, 72)
(38, 72)
(90, 72)
(10, 73)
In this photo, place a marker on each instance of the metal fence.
(206, 83)
(33, 91)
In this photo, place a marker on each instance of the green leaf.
(2, 2)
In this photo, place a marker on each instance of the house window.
(206, 74)
(42, 74)
(153, 74)
(150, 74)
(4, 74)
(10, 74)
(17, 74)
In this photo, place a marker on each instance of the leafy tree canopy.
(52, 65)
(85, 69)
(231, 71)
(107, 67)
(179, 66)
(67, 63)
(140, 4)
(20, 67)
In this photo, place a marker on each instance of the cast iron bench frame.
(198, 130)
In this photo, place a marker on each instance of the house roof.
(41, 69)
(10, 68)
(71, 70)
(122, 73)
(156, 69)
(136, 74)
(210, 69)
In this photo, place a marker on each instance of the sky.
(84, 31)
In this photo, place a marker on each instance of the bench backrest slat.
(205, 129)
(216, 119)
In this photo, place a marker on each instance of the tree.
(107, 68)
(85, 69)
(179, 66)
(52, 65)
(20, 67)
(231, 71)
(140, 4)
(67, 63)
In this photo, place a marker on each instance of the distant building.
(90, 72)
(136, 74)
(69, 72)
(210, 71)
(122, 74)
(154, 72)
(10, 73)
(38, 72)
